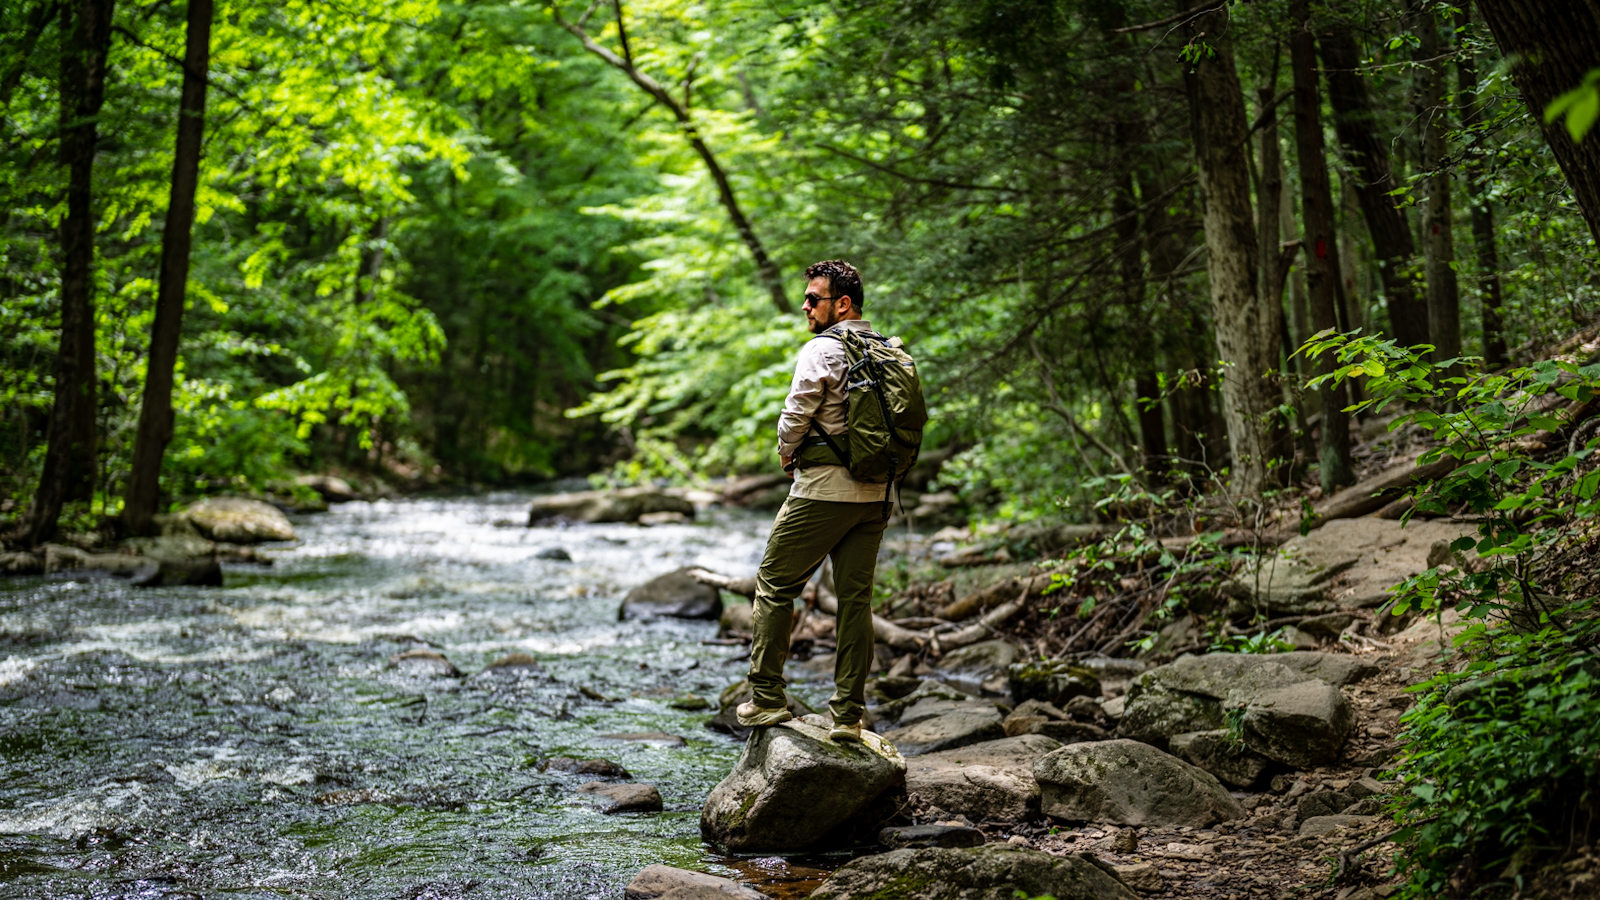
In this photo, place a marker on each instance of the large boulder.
(1130, 783)
(1218, 753)
(990, 872)
(955, 728)
(988, 781)
(1288, 716)
(237, 520)
(1337, 669)
(926, 690)
(674, 594)
(1054, 681)
(625, 505)
(660, 882)
(794, 789)
(141, 571)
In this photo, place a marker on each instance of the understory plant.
(1501, 758)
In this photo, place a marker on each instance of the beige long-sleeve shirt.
(817, 392)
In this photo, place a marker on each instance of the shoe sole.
(762, 720)
(845, 737)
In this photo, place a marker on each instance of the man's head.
(833, 294)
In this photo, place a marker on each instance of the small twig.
(1345, 854)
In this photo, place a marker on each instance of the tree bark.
(155, 411)
(1355, 123)
(1495, 354)
(1554, 44)
(1125, 211)
(766, 269)
(1321, 242)
(1439, 251)
(69, 461)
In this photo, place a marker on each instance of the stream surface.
(255, 740)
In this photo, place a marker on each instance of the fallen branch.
(1364, 846)
(882, 629)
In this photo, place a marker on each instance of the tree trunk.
(1495, 354)
(1554, 43)
(1321, 242)
(1274, 271)
(155, 412)
(1130, 268)
(1444, 293)
(69, 461)
(1165, 251)
(1355, 122)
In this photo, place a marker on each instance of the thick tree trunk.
(1438, 239)
(1355, 122)
(1554, 43)
(155, 412)
(1243, 328)
(69, 461)
(1495, 353)
(1274, 271)
(1321, 242)
(1165, 249)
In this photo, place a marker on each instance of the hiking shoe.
(752, 716)
(845, 734)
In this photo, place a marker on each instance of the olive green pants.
(805, 532)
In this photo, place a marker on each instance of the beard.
(821, 321)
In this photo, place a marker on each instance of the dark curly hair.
(843, 279)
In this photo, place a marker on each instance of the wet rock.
(1322, 803)
(1066, 732)
(621, 798)
(957, 728)
(893, 687)
(142, 571)
(916, 837)
(332, 488)
(425, 662)
(568, 765)
(925, 690)
(1125, 782)
(674, 595)
(990, 872)
(21, 563)
(625, 505)
(988, 781)
(1301, 725)
(1038, 709)
(727, 721)
(1142, 877)
(1087, 709)
(737, 618)
(665, 517)
(690, 703)
(556, 553)
(660, 882)
(934, 707)
(1218, 754)
(647, 737)
(1325, 824)
(1053, 681)
(792, 787)
(238, 520)
(513, 664)
(981, 661)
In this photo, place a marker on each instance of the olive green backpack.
(884, 413)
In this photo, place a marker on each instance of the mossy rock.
(1054, 681)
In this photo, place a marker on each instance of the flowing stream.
(256, 740)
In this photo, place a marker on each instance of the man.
(828, 513)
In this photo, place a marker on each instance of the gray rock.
(568, 765)
(990, 872)
(1328, 626)
(933, 707)
(660, 882)
(1285, 585)
(1126, 782)
(938, 690)
(621, 798)
(1337, 669)
(141, 571)
(238, 520)
(513, 664)
(1322, 803)
(560, 555)
(1142, 877)
(916, 837)
(981, 660)
(1213, 751)
(1367, 787)
(674, 595)
(426, 662)
(332, 488)
(1070, 732)
(647, 737)
(21, 563)
(957, 728)
(1153, 713)
(665, 517)
(988, 781)
(625, 505)
(1301, 725)
(792, 788)
(1325, 824)
(1053, 681)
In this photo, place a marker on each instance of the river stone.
(1125, 782)
(559, 554)
(660, 882)
(938, 690)
(331, 488)
(988, 781)
(915, 837)
(956, 728)
(1054, 681)
(625, 505)
(21, 563)
(140, 571)
(674, 594)
(238, 520)
(934, 707)
(427, 662)
(981, 660)
(1218, 754)
(621, 798)
(990, 872)
(665, 517)
(727, 719)
(568, 765)
(792, 787)
(647, 737)
(513, 664)
(1302, 725)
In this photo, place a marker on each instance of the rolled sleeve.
(806, 393)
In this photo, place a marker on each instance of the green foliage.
(1579, 106)
(1262, 642)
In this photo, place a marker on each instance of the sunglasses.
(812, 300)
